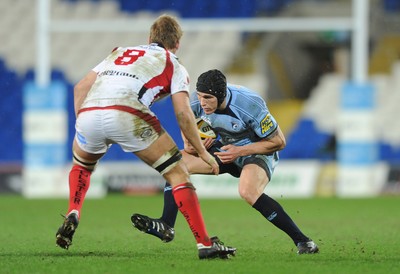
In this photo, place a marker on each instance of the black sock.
(274, 213)
(170, 210)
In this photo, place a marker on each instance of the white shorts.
(99, 127)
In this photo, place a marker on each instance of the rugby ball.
(205, 130)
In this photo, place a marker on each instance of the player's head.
(212, 82)
(166, 31)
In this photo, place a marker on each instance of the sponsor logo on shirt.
(117, 73)
(266, 123)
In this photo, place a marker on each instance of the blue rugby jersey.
(246, 118)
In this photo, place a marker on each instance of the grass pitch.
(354, 235)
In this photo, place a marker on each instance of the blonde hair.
(166, 31)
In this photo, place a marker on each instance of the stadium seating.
(313, 136)
(391, 5)
(194, 9)
(10, 115)
(17, 60)
(18, 55)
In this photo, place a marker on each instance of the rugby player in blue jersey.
(250, 139)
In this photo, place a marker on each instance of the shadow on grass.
(81, 254)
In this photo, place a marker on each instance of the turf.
(355, 236)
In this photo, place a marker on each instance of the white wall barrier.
(292, 179)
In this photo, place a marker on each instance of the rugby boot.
(216, 250)
(307, 248)
(66, 231)
(155, 227)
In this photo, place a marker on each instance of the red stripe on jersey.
(151, 120)
(164, 79)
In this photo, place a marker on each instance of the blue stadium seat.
(307, 142)
(389, 153)
(11, 115)
(210, 8)
(132, 6)
(391, 6)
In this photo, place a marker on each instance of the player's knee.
(244, 194)
(88, 165)
(183, 186)
(168, 161)
(248, 194)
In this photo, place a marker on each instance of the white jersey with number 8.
(145, 73)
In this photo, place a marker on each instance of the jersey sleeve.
(180, 79)
(264, 123)
(99, 67)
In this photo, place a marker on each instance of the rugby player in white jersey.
(250, 139)
(112, 107)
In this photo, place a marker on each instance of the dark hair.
(212, 82)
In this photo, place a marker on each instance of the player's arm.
(274, 142)
(82, 88)
(187, 124)
(187, 146)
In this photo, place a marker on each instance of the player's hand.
(208, 142)
(210, 160)
(229, 154)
